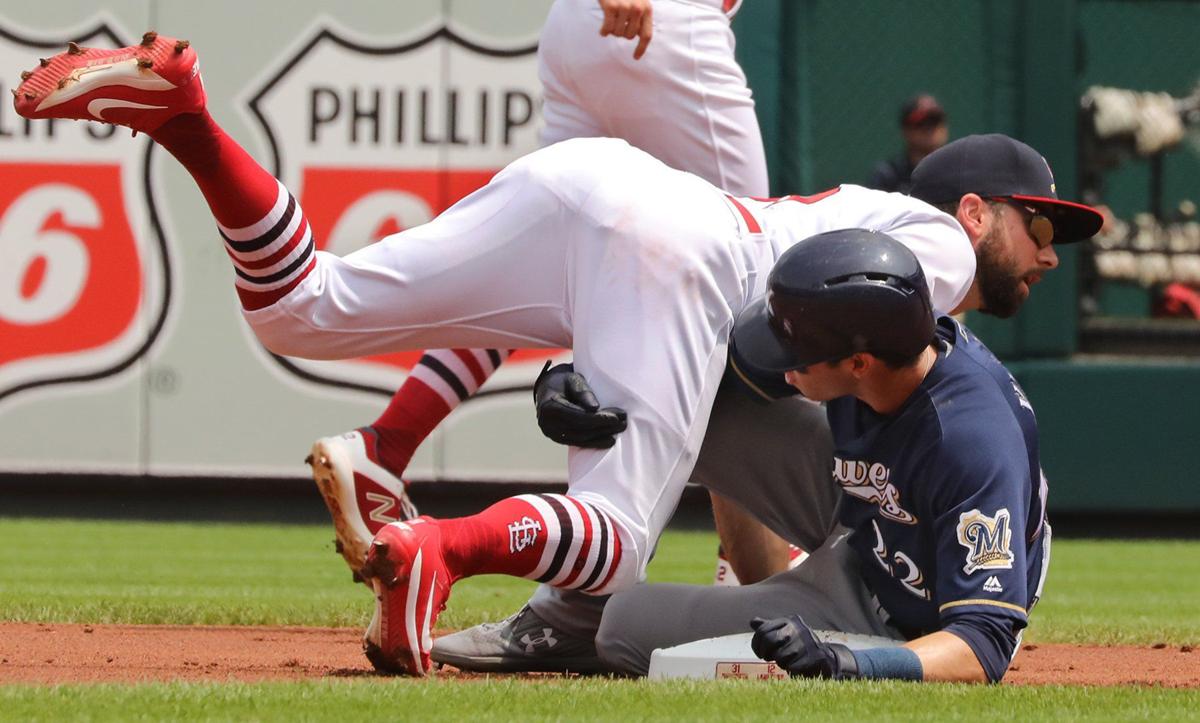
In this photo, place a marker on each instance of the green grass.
(222, 574)
(76, 571)
(1120, 591)
(121, 572)
(591, 699)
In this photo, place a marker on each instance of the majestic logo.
(987, 540)
(992, 584)
(869, 482)
(84, 271)
(374, 139)
(533, 642)
(522, 534)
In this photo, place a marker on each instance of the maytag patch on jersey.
(987, 540)
(84, 281)
(374, 138)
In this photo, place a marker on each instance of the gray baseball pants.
(775, 460)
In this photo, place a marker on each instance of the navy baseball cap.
(995, 165)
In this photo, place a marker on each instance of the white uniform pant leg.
(652, 323)
(488, 272)
(685, 102)
(640, 272)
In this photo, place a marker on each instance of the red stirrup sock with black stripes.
(265, 232)
(443, 379)
(556, 539)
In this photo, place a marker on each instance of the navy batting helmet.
(835, 294)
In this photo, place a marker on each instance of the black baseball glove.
(791, 643)
(568, 412)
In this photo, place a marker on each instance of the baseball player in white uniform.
(678, 93)
(588, 244)
(683, 99)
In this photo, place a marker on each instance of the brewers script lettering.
(869, 482)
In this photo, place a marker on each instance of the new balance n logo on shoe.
(382, 511)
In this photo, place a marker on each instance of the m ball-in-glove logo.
(84, 281)
(987, 539)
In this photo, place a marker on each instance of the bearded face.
(1001, 280)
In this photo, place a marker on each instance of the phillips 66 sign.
(117, 356)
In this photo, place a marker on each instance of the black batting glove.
(791, 643)
(569, 413)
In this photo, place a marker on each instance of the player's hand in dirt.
(568, 412)
(628, 19)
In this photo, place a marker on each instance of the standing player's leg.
(359, 472)
(748, 542)
(685, 102)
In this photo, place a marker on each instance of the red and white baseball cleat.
(141, 86)
(362, 496)
(406, 569)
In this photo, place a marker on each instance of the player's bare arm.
(629, 19)
(937, 657)
(946, 657)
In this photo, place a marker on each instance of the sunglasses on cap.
(1040, 229)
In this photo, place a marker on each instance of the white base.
(731, 657)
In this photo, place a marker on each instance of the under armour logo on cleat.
(546, 638)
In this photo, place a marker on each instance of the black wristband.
(846, 666)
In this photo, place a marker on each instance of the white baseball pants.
(640, 272)
(684, 102)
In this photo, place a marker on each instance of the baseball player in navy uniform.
(588, 244)
(943, 543)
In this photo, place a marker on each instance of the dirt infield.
(63, 653)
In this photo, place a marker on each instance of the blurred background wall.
(1115, 381)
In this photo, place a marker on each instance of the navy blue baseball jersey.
(946, 500)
